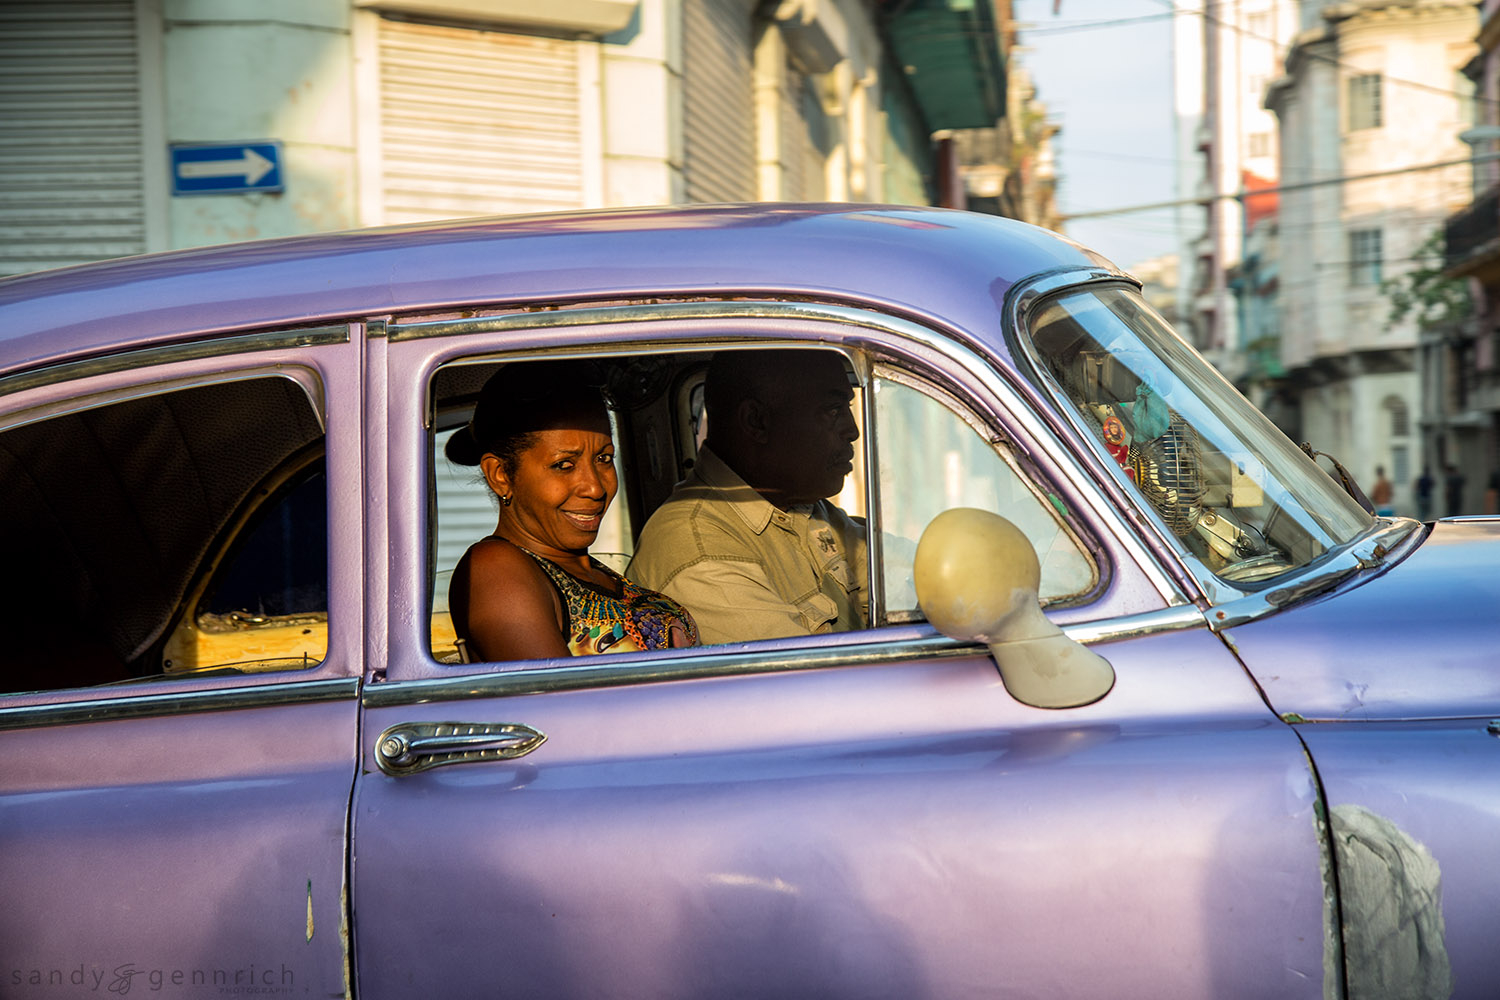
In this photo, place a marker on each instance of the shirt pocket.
(818, 613)
(838, 570)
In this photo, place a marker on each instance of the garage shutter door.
(477, 122)
(70, 145)
(718, 118)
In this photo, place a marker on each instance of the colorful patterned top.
(601, 623)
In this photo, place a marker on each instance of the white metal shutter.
(474, 122)
(70, 134)
(718, 104)
(477, 122)
(465, 514)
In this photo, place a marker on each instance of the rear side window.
(170, 533)
(279, 569)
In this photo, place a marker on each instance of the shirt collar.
(755, 510)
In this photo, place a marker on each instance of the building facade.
(1011, 169)
(374, 112)
(1370, 107)
(1225, 56)
(1461, 362)
(142, 125)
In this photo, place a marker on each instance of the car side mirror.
(976, 577)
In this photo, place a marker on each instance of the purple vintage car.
(242, 755)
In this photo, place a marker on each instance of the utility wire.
(1033, 30)
(1029, 28)
(1329, 60)
(1102, 155)
(1280, 188)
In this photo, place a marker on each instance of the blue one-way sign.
(226, 167)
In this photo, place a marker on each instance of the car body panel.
(183, 853)
(180, 834)
(932, 263)
(845, 833)
(1415, 640)
(1414, 807)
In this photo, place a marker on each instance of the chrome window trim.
(875, 609)
(638, 313)
(1106, 510)
(142, 706)
(305, 378)
(1388, 542)
(192, 350)
(1136, 626)
(1025, 295)
(710, 661)
(1021, 301)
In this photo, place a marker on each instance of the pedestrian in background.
(1453, 490)
(1424, 495)
(1380, 496)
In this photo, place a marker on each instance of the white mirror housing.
(976, 577)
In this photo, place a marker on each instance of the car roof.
(919, 261)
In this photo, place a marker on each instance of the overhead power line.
(1033, 30)
(1279, 189)
(1328, 60)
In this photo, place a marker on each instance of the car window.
(266, 606)
(1225, 482)
(659, 424)
(466, 512)
(933, 456)
(163, 534)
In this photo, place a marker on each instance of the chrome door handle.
(410, 747)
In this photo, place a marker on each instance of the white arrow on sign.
(251, 165)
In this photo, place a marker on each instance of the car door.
(173, 813)
(861, 814)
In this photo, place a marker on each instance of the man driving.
(749, 542)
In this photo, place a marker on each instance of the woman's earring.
(505, 500)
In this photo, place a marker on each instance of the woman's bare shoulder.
(496, 564)
(511, 609)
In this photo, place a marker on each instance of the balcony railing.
(1473, 233)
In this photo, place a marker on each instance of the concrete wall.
(305, 73)
(271, 69)
(640, 80)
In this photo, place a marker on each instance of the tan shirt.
(748, 570)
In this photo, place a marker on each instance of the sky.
(1109, 86)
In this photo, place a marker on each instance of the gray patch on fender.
(1390, 892)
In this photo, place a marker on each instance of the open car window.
(465, 509)
(934, 456)
(658, 423)
(165, 534)
(931, 454)
(265, 606)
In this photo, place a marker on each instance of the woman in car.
(541, 436)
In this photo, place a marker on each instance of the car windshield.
(1238, 494)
